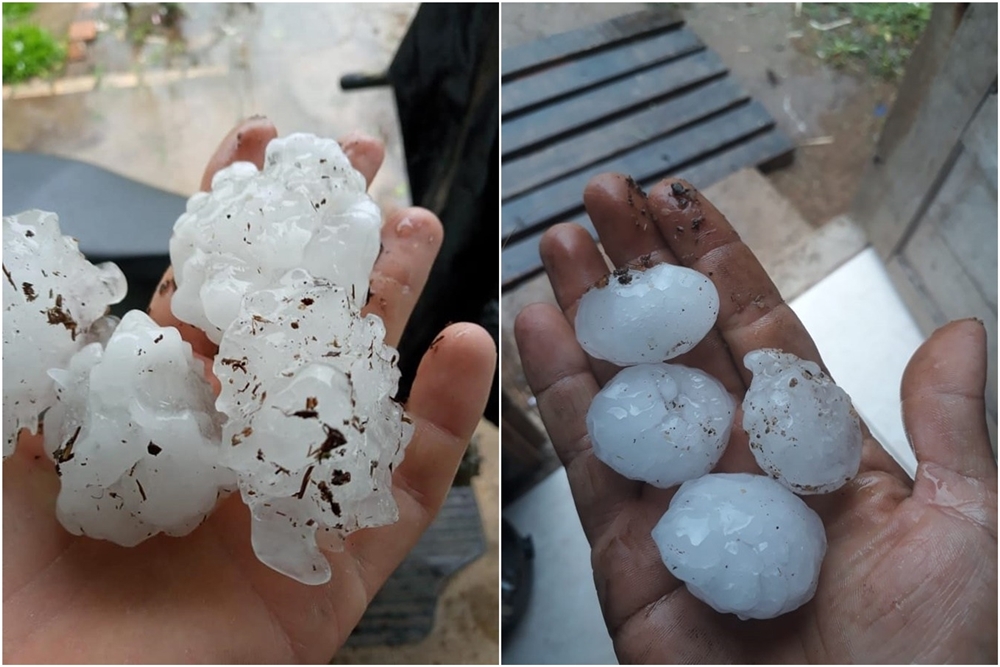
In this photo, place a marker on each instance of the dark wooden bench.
(641, 95)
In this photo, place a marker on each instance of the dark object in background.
(516, 555)
(114, 218)
(444, 77)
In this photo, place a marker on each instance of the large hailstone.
(661, 423)
(305, 208)
(135, 437)
(648, 315)
(742, 543)
(51, 297)
(803, 430)
(313, 435)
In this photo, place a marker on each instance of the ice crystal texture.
(134, 436)
(307, 209)
(646, 315)
(51, 297)
(742, 543)
(803, 429)
(313, 431)
(661, 423)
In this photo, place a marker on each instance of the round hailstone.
(646, 315)
(51, 297)
(803, 430)
(314, 435)
(307, 207)
(135, 437)
(661, 423)
(742, 543)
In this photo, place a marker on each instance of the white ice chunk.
(646, 315)
(803, 430)
(307, 209)
(313, 432)
(51, 297)
(135, 437)
(742, 543)
(661, 423)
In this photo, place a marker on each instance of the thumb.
(944, 410)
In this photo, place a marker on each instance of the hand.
(911, 569)
(205, 597)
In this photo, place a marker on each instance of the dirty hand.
(205, 597)
(911, 568)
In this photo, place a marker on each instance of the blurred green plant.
(28, 50)
(879, 39)
(15, 11)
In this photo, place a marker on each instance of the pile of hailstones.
(744, 544)
(273, 266)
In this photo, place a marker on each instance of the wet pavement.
(166, 104)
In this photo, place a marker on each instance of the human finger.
(366, 153)
(752, 313)
(411, 239)
(631, 236)
(944, 409)
(449, 395)
(559, 374)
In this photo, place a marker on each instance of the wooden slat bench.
(640, 95)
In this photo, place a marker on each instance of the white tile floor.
(865, 335)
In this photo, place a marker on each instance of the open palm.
(910, 572)
(205, 597)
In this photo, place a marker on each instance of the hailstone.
(307, 209)
(51, 297)
(134, 436)
(743, 544)
(661, 423)
(646, 315)
(313, 430)
(803, 430)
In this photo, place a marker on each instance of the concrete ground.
(156, 112)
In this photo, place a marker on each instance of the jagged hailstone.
(646, 315)
(803, 430)
(743, 544)
(307, 209)
(51, 298)
(313, 431)
(661, 423)
(134, 437)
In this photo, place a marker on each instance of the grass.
(879, 39)
(28, 50)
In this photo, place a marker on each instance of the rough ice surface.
(307, 209)
(135, 437)
(661, 423)
(646, 315)
(313, 432)
(803, 430)
(51, 297)
(742, 543)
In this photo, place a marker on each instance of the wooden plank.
(965, 214)
(576, 152)
(981, 138)
(520, 260)
(589, 71)
(525, 58)
(949, 293)
(562, 198)
(562, 118)
(898, 186)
